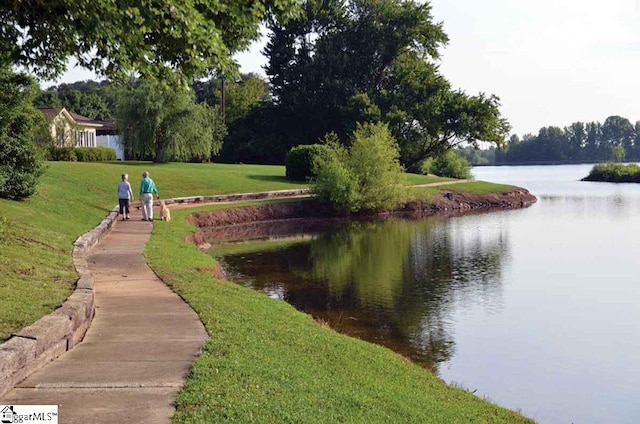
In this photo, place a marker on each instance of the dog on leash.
(165, 213)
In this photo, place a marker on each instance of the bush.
(95, 154)
(63, 154)
(448, 164)
(81, 154)
(365, 177)
(614, 173)
(299, 161)
(21, 166)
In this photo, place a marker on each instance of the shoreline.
(445, 203)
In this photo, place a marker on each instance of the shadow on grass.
(272, 178)
(138, 163)
(102, 208)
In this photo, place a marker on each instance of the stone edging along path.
(49, 337)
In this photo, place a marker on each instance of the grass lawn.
(36, 235)
(268, 363)
(265, 361)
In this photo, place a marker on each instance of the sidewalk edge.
(49, 337)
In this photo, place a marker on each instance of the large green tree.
(20, 123)
(91, 105)
(95, 100)
(114, 37)
(344, 62)
(167, 125)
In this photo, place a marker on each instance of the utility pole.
(222, 78)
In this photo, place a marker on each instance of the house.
(68, 129)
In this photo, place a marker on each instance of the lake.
(536, 309)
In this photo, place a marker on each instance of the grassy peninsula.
(265, 361)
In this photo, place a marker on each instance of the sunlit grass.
(267, 362)
(36, 235)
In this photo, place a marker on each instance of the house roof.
(50, 113)
(79, 118)
(109, 125)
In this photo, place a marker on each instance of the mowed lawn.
(36, 235)
(265, 361)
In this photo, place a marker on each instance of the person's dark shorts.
(124, 206)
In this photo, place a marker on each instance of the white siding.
(112, 141)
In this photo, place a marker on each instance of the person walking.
(125, 195)
(147, 190)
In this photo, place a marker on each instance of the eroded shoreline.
(222, 224)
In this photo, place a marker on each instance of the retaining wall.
(43, 341)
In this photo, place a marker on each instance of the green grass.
(478, 187)
(614, 173)
(36, 235)
(265, 362)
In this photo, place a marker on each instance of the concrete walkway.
(135, 356)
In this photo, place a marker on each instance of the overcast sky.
(551, 62)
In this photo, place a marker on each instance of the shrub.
(20, 167)
(448, 164)
(299, 161)
(81, 154)
(63, 154)
(95, 154)
(365, 177)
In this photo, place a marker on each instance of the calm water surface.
(537, 309)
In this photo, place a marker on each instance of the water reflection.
(394, 282)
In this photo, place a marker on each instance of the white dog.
(165, 213)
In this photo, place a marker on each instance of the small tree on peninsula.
(365, 176)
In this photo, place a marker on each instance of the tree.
(95, 100)
(240, 96)
(448, 164)
(48, 98)
(167, 124)
(617, 153)
(344, 62)
(364, 177)
(114, 38)
(20, 123)
(618, 131)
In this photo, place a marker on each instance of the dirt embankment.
(220, 224)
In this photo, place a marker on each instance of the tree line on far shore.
(615, 139)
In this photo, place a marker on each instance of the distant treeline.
(577, 143)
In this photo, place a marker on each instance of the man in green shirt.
(147, 190)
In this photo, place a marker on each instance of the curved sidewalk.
(138, 350)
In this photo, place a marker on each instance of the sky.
(551, 62)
